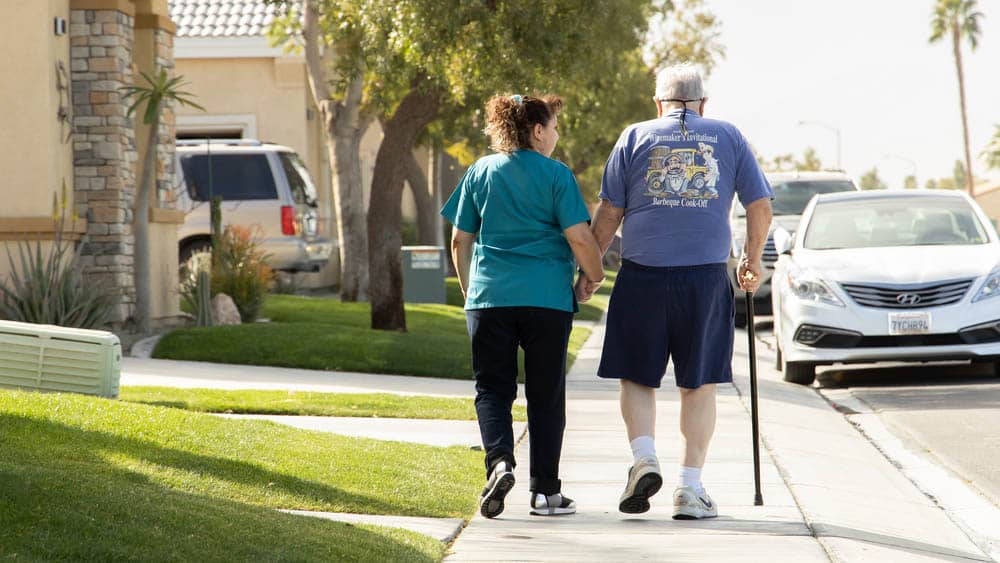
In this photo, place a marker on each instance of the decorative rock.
(224, 311)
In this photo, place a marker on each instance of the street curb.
(856, 502)
(967, 507)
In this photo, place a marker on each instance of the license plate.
(909, 323)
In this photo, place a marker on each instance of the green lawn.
(96, 479)
(326, 334)
(307, 403)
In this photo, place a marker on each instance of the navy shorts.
(684, 313)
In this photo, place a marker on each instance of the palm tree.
(158, 89)
(992, 151)
(960, 20)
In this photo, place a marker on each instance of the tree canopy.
(430, 65)
(870, 180)
(992, 151)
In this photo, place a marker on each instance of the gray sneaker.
(644, 481)
(552, 505)
(689, 505)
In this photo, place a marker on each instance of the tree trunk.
(426, 212)
(344, 130)
(143, 308)
(343, 127)
(957, 46)
(385, 290)
(435, 167)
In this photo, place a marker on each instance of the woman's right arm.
(461, 255)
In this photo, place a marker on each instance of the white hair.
(679, 82)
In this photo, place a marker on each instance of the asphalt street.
(948, 411)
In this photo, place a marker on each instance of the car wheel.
(799, 372)
(777, 358)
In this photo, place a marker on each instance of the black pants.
(543, 334)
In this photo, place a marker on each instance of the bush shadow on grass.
(64, 500)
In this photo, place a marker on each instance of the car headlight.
(991, 288)
(808, 287)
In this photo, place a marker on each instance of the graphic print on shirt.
(685, 173)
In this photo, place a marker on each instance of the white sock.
(691, 477)
(643, 446)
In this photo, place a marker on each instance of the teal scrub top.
(518, 205)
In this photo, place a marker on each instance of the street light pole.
(828, 127)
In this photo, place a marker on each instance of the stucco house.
(65, 123)
(987, 195)
(251, 89)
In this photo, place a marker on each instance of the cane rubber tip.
(758, 501)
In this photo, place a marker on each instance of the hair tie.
(517, 99)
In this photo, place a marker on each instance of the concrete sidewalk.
(828, 494)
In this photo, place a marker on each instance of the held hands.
(585, 288)
(750, 273)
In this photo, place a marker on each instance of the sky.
(864, 67)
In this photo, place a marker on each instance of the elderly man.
(672, 298)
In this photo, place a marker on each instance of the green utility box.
(423, 274)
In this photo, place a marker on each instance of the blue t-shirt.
(519, 205)
(677, 189)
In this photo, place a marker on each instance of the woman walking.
(519, 222)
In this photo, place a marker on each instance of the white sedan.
(874, 276)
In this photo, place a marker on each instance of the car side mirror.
(783, 241)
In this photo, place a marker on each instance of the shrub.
(240, 271)
(408, 233)
(49, 288)
(194, 297)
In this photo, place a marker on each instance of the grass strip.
(249, 462)
(307, 403)
(94, 479)
(325, 334)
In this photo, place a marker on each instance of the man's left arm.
(606, 221)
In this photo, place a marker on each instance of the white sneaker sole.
(638, 502)
(688, 512)
(491, 505)
(555, 511)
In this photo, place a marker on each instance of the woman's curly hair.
(510, 119)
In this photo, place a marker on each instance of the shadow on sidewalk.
(915, 547)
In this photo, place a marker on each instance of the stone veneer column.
(104, 152)
(164, 58)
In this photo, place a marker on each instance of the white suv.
(263, 186)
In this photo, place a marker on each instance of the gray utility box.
(423, 274)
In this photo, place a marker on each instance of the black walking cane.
(758, 500)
